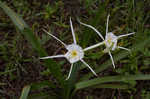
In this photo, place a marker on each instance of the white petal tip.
(40, 58)
(114, 65)
(96, 75)
(129, 50)
(43, 29)
(66, 78)
(70, 19)
(43, 58)
(132, 33)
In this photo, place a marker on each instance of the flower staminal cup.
(110, 40)
(74, 53)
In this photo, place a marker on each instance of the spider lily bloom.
(74, 53)
(110, 40)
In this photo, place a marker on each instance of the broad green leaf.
(25, 92)
(101, 80)
(34, 41)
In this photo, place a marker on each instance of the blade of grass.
(24, 28)
(41, 85)
(25, 92)
(117, 57)
(7, 72)
(97, 81)
(15, 18)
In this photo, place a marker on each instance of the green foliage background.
(24, 76)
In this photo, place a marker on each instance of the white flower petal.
(111, 36)
(111, 40)
(55, 37)
(93, 29)
(88, 67)
(73, 34)
(111, 59)
(124, 48)
(93, 46)
(56, 56)
(126, 34)
(107, 24)
(69, 72)
(114, 46)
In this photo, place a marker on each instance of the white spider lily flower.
(74, 53)
(110, 40)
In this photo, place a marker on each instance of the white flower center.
(110, 40)
(75, 53)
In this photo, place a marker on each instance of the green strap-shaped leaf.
(97, 81)
(34, 41)
(25, 92)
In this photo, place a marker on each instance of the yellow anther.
(109, 41)
(74, 53)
